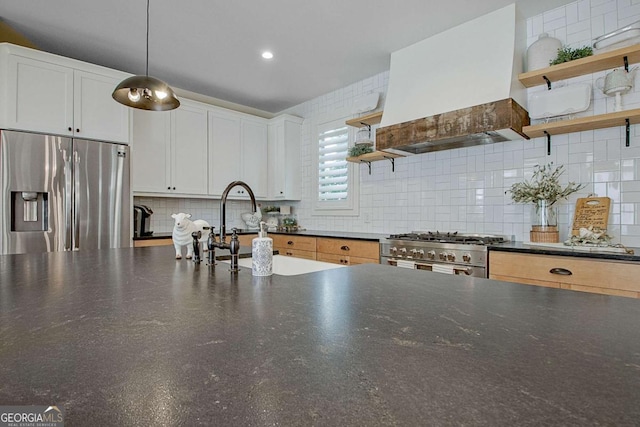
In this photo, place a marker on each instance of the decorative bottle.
(262, 253)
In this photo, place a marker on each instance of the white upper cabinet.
(169, 150)
(96, 115)
(254, 156)
(46, 93)
(224, 150)
(237, 152)
(151, 151)
(284, 158)
(189, 148)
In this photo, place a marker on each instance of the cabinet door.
(150, 150)
(39, 96)
(189, 149)
(96, 114)
(284, 158)
(224, 151)
(254, 157)
(276, 161)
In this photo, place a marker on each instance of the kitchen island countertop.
(135, 337)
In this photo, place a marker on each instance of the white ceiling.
(213, 47)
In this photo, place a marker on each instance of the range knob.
(403, 251)
(466, 258)
(420, 253)
(442, 256)
(431, 255)
(451, 256)
(414, 253)
(393, 251)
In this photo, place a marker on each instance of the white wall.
(464, 189)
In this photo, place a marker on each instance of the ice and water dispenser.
(29, 211)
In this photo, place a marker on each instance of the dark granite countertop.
(564, 251)
(135, 337)
(312, 233)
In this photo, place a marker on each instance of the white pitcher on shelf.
(616, 83)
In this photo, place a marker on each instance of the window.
(337, 190)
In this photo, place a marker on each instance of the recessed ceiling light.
(267, 55)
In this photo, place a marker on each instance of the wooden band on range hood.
(481, 124)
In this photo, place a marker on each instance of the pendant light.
(145, 92)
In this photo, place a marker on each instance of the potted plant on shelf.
(543, 191)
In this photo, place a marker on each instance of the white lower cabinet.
(237, 152)
(51, 94)
(170, 150)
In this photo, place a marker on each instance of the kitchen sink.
(289, 266)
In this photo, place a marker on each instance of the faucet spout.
(234, 245)
(223, 206)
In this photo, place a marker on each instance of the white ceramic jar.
(542, 51)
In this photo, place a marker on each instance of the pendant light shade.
(145, 92)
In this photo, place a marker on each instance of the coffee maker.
(142, 221)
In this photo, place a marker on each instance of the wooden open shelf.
(373, 157)
(369, 119)
(579, 67)
(583, 123)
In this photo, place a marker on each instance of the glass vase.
(544, 222)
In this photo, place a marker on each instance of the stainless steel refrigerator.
(62, 194)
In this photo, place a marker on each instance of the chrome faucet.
(234, 244)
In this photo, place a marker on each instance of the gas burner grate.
(451, 237)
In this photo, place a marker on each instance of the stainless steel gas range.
(450, 253)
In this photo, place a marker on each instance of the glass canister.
(542, 52)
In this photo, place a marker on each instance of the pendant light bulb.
(133, 95)
(144, 92)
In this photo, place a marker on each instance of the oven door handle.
(467, 271)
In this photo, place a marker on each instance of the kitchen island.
(135, 337)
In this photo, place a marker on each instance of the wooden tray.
(591, 212)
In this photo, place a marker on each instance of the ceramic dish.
(561, 101)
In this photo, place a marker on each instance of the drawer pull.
(290, 242)
(561, 271)
(344, 248)
(288, 253)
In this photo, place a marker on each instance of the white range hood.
(472, 65)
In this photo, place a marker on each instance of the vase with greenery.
(544, 191)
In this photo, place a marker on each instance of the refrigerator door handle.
(76, 201)
(68, 203)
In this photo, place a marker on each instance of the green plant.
(566, 54)
(360, 149)
(268, 209)
(544, 185)
(289, 221)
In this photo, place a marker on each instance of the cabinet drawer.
(303, 243)
(592, 275)
(152, 242)
(345, 259)
(358, 248)
(297, 253)
(246, 239)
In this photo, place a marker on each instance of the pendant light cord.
(147, 66)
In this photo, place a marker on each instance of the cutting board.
(591, 212)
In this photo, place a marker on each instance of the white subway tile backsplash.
(464, 189)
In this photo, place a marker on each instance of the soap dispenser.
(262, 253)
